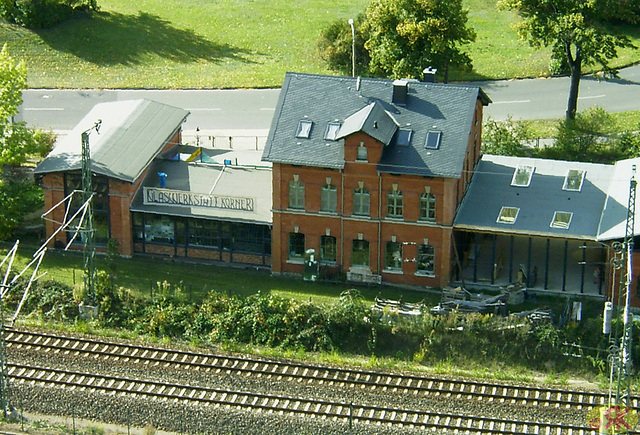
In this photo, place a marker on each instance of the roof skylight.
(332, 130)
(508, 215)
(522, 176)
(573, 180)
(561, 219)
(404, 136)
(433, 139)
(304, 129)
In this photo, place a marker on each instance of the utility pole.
(89, 249)
(353, 48)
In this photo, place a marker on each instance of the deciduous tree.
(406, 36)
(17, 144)
(576, 32)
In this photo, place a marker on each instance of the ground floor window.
(393, 256)
(360, 253)
(328, 248)
(201, 234)
(296, 246)
(426, 259)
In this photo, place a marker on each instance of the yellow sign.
(612, 419)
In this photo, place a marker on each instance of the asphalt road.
(249, 112)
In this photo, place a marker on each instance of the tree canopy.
(576, 31)
(407, 36)
(17, 144)
(37, 14)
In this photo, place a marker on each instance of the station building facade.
(368, 175)
(155, 195)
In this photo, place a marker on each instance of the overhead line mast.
(621, 345)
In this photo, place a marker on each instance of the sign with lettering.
(157, 196)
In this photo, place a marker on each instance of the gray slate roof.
(613, 224)
(131, 135)
(491, 189)
(358, 103)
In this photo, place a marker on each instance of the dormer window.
(404, 136)
(433, 140)
(522, 176)
(304, 129)
(332, 131)
(573, 180)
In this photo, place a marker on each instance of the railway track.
(374, 381)
(284, 405)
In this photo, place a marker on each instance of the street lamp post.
(353, 48)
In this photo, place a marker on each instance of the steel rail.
(310, 373)
(316, 408)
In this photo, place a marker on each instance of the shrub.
(38, 14)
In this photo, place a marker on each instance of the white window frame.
(561, 224)
(566, 180)
(304, 129)
(516, 172)
(332, 130)
(503, 219)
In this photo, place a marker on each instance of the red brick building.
(368, 175)
(155, 195)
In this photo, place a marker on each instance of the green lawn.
(230, 44)
(142, 276)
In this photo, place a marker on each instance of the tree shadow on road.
(110, 39)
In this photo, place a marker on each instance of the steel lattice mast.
(621, 358)
(89, 249)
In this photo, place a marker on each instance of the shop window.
(296, 246)
(181, 231)
(426, 260)
(360, 253)
(328, 248)
(138, 227)
(361, 201)
(250, 238)
(328, 198)
(296, 194)
(394, 203)
(204, 233)
(158, 229)
(428, 207)
(393, 256)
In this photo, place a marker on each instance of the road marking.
(267, 108)
(206, 109)
(592, 97)
(512, 102)
(44, 109)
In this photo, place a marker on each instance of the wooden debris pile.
(388, 307)
(461, 300)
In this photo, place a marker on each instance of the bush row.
(349, 326)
